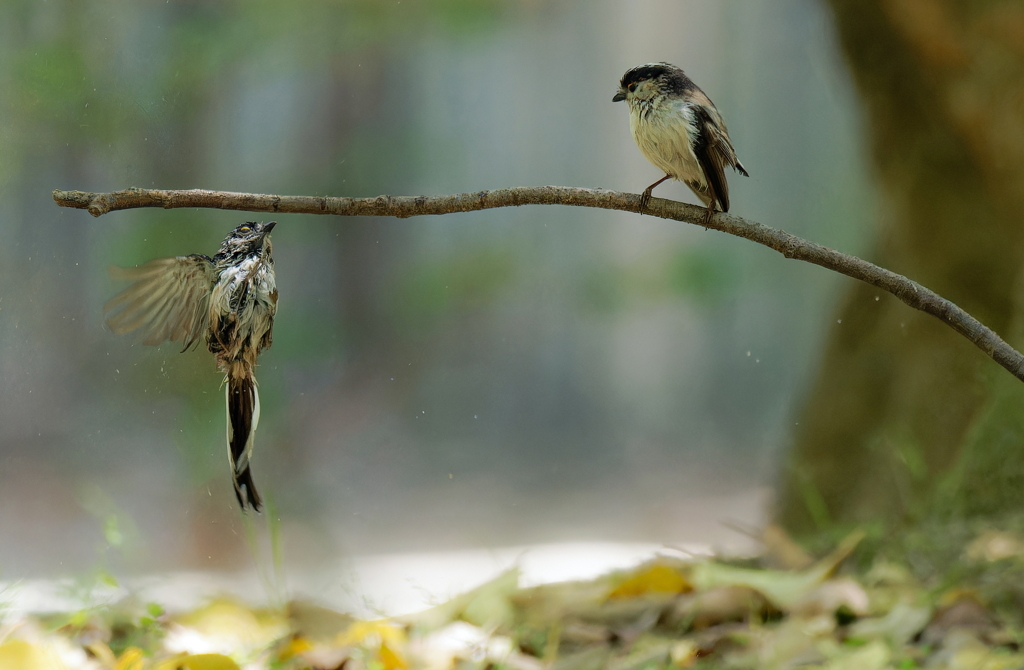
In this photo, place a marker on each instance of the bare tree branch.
(788, 245)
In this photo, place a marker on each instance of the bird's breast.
(245, 299)
(666, 134)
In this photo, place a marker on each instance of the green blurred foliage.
(76, 76)
(53, 78)
(706, 276)
(425, 292)
(989, 466)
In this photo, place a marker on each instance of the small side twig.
(790, 246)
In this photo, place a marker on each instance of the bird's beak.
(620, 96)
(267, 227)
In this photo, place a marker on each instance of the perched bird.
(679, 129)
(230, 300)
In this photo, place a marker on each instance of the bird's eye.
(244, 229)
(632, 87)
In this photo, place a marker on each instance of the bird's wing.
(169, 300)
(713, 151)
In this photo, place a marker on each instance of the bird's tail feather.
(243, 401)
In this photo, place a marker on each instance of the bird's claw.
(709, 214)
(645, 199)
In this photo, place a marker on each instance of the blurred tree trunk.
(906, 419)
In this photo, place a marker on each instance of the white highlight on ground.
(365, 586)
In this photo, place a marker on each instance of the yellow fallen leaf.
(655, 579)
(295, 646)
(224, 626)
(371, 634)
(208, 662)
(391, 659)
(223, 617)
(22, 655)
(131, 658)
(197, 662)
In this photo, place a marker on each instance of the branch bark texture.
(790, 246)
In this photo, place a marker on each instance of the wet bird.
(679, 129)
(231, 300)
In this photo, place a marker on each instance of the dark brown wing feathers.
(713, 153)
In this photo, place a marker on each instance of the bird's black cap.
(675, 79)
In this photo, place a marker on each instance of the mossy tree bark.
(905, 421)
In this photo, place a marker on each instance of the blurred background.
(508, 377)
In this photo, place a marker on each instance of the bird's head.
(646, 82)
(246, 239)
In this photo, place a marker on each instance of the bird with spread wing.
(231, 300)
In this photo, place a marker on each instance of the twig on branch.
(788, 245)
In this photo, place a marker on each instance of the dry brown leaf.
(995, 545)
(782, 588)
(715, 606)
(830, 596)
(781, 552)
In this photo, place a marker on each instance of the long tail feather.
(243, 401)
